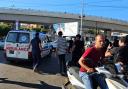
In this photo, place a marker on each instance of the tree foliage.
(4, 28)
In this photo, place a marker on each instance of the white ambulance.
(16, 45)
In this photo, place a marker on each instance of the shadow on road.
(24, 64)
(43, 85)
(49, 65)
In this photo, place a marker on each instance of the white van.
(16, 45)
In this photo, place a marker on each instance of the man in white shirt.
(61, 51)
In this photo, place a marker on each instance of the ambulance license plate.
(11, 52)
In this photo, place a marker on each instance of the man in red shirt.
(94, 54)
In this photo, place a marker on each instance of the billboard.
(68, 29)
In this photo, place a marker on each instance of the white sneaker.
(35, 67)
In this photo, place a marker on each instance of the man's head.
(60, 33)
(99, 41)
(78, 36)
(123, 41)
(37, 34)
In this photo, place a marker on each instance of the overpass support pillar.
(17, 25)
(107, 33)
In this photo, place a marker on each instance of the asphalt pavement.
(19, 75)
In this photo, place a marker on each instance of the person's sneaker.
(34, 68)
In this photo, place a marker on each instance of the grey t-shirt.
(61, 45)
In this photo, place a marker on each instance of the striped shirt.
(61, 45)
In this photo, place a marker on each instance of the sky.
(116, 9)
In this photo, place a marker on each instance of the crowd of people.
(99, 51)
(102, 50)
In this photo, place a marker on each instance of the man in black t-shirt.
(36, 50)
(77, 50)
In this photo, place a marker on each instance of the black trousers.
(62, 63)
(36, 58)
(75, 58)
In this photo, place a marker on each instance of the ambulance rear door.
(16, 45)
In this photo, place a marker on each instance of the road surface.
(20, 75)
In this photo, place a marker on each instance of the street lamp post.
(81, 22)
(12, 4)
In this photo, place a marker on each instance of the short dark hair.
(37, 34)
(60, 33)
(124, 39)
(78, 35)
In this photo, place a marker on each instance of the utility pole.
(12, 5)
(81, 22)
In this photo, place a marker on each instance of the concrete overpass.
(36, 16)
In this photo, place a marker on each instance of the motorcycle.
(113, 80)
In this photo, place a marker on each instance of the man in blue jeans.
(94, 54)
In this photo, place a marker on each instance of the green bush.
(4, 29)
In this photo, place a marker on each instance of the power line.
(69, 5)
(118, 7)
(35, 3)
(23, 4)
(102, 1)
